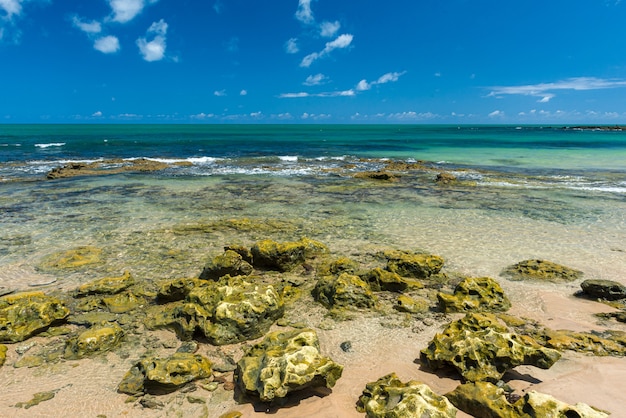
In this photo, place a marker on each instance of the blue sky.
(313, 61)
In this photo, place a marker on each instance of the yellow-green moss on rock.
(384, 280)
(415, 265)
(388, 397)
(165, 373)
(98, 339)
(106, 285)
(285, 362)
(3, 354)
(482, 349)
(285, 256)
(24, 314)
(230, 263)
(345, 291)
(72, 259)
(475, 294)
(541, 270)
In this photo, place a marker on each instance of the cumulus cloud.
(341, 42)
(315, 80)
(496, 114)
(107, 44)
(291, 46)
(304, 13)
(329, 29)
(11, 8)
(87, 27)
(126, 10)
(383, 79)
(545, 90)
(97, 114)
(243, 93)
(154, 50)
(363, 85)
(219, 93)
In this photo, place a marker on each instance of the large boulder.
(345, 291)
(285, 362)
(484, 399)
(604, 289)
(228, 311)
(230, 263)
(388, 397)
(24, 314)
(285, 256)
(415, 265)
(475, 294)
(481, 349)
(541, 270)
(98, 339)
(154, 373)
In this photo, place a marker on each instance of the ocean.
(522, 192)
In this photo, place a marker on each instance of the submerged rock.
(230, 263)
(415, 265)
(475, 294)
(604, 289)
(481, 349)
(285, 362)
(25, 314)
(72, 259)
(483, 399)
(165, 373)
(123, 302)
(389, 397)
(345, 291)
(541, 270)
(98, 339)
(285, 256)
(106, 286)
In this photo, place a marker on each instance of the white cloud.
(383, 79)
(341, 93)
(87, 27)
(126, 10)
(329, 29)
(304, 13)
(11, 7)
(202, 116)
(97, 114)
(154, 50)
(243, 93)
(496, 114)
(342, 41)
(107, 44)
(363, 85)
(291, 46)
(219, 93)
(543, 89)
(315, 80)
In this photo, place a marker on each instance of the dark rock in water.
(24, 314)
(415, 265)
(346, 346)
(376, 175)
(178, 289)
(445, 178)
(165, 373)
(107, 285)
(389, 397)
(285, 256)
(482, 349)
(230, 263)
(483, 399)
(604, 289)
(541, 270)
(285, 362)
(475, 294)
(94, 340)
(345, 291)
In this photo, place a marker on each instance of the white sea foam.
(52, 144)
(193, 160)
(288, 158)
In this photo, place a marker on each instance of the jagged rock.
(3, 354)
(285, 362)
(231, 263)
(483, 399)
(475, 294)
(344, 291)
(24, 314)
(445, 178)
(541, 270)
(388, 397)
(415, 265)
(341, 265)
(178, 289)
(98, 339)
(585, 342)
(228, 311)
(412, 305)
(165, 373)
(380, 279)
(106, 286)
(72, 259)
(287, 255)
(604, 289)
(482, 349)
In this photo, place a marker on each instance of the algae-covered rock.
(483, 399)
(415, 265)
(287, 255)
(72, 259)
(384, 280)
(165, 373)
(344, 291)
(285, 362)
(230, 263)
(408, 304)
(341, 265)
(604, 289)
(98, 339)
(106, 286)
(178, 289)
(475, 294)
(24, 314)
(123, 302)
(3, 354)
(541, 270)
(584, 342)
(225, 312)
(388, 397)
(482, 349)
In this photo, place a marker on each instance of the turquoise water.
(525, 192)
